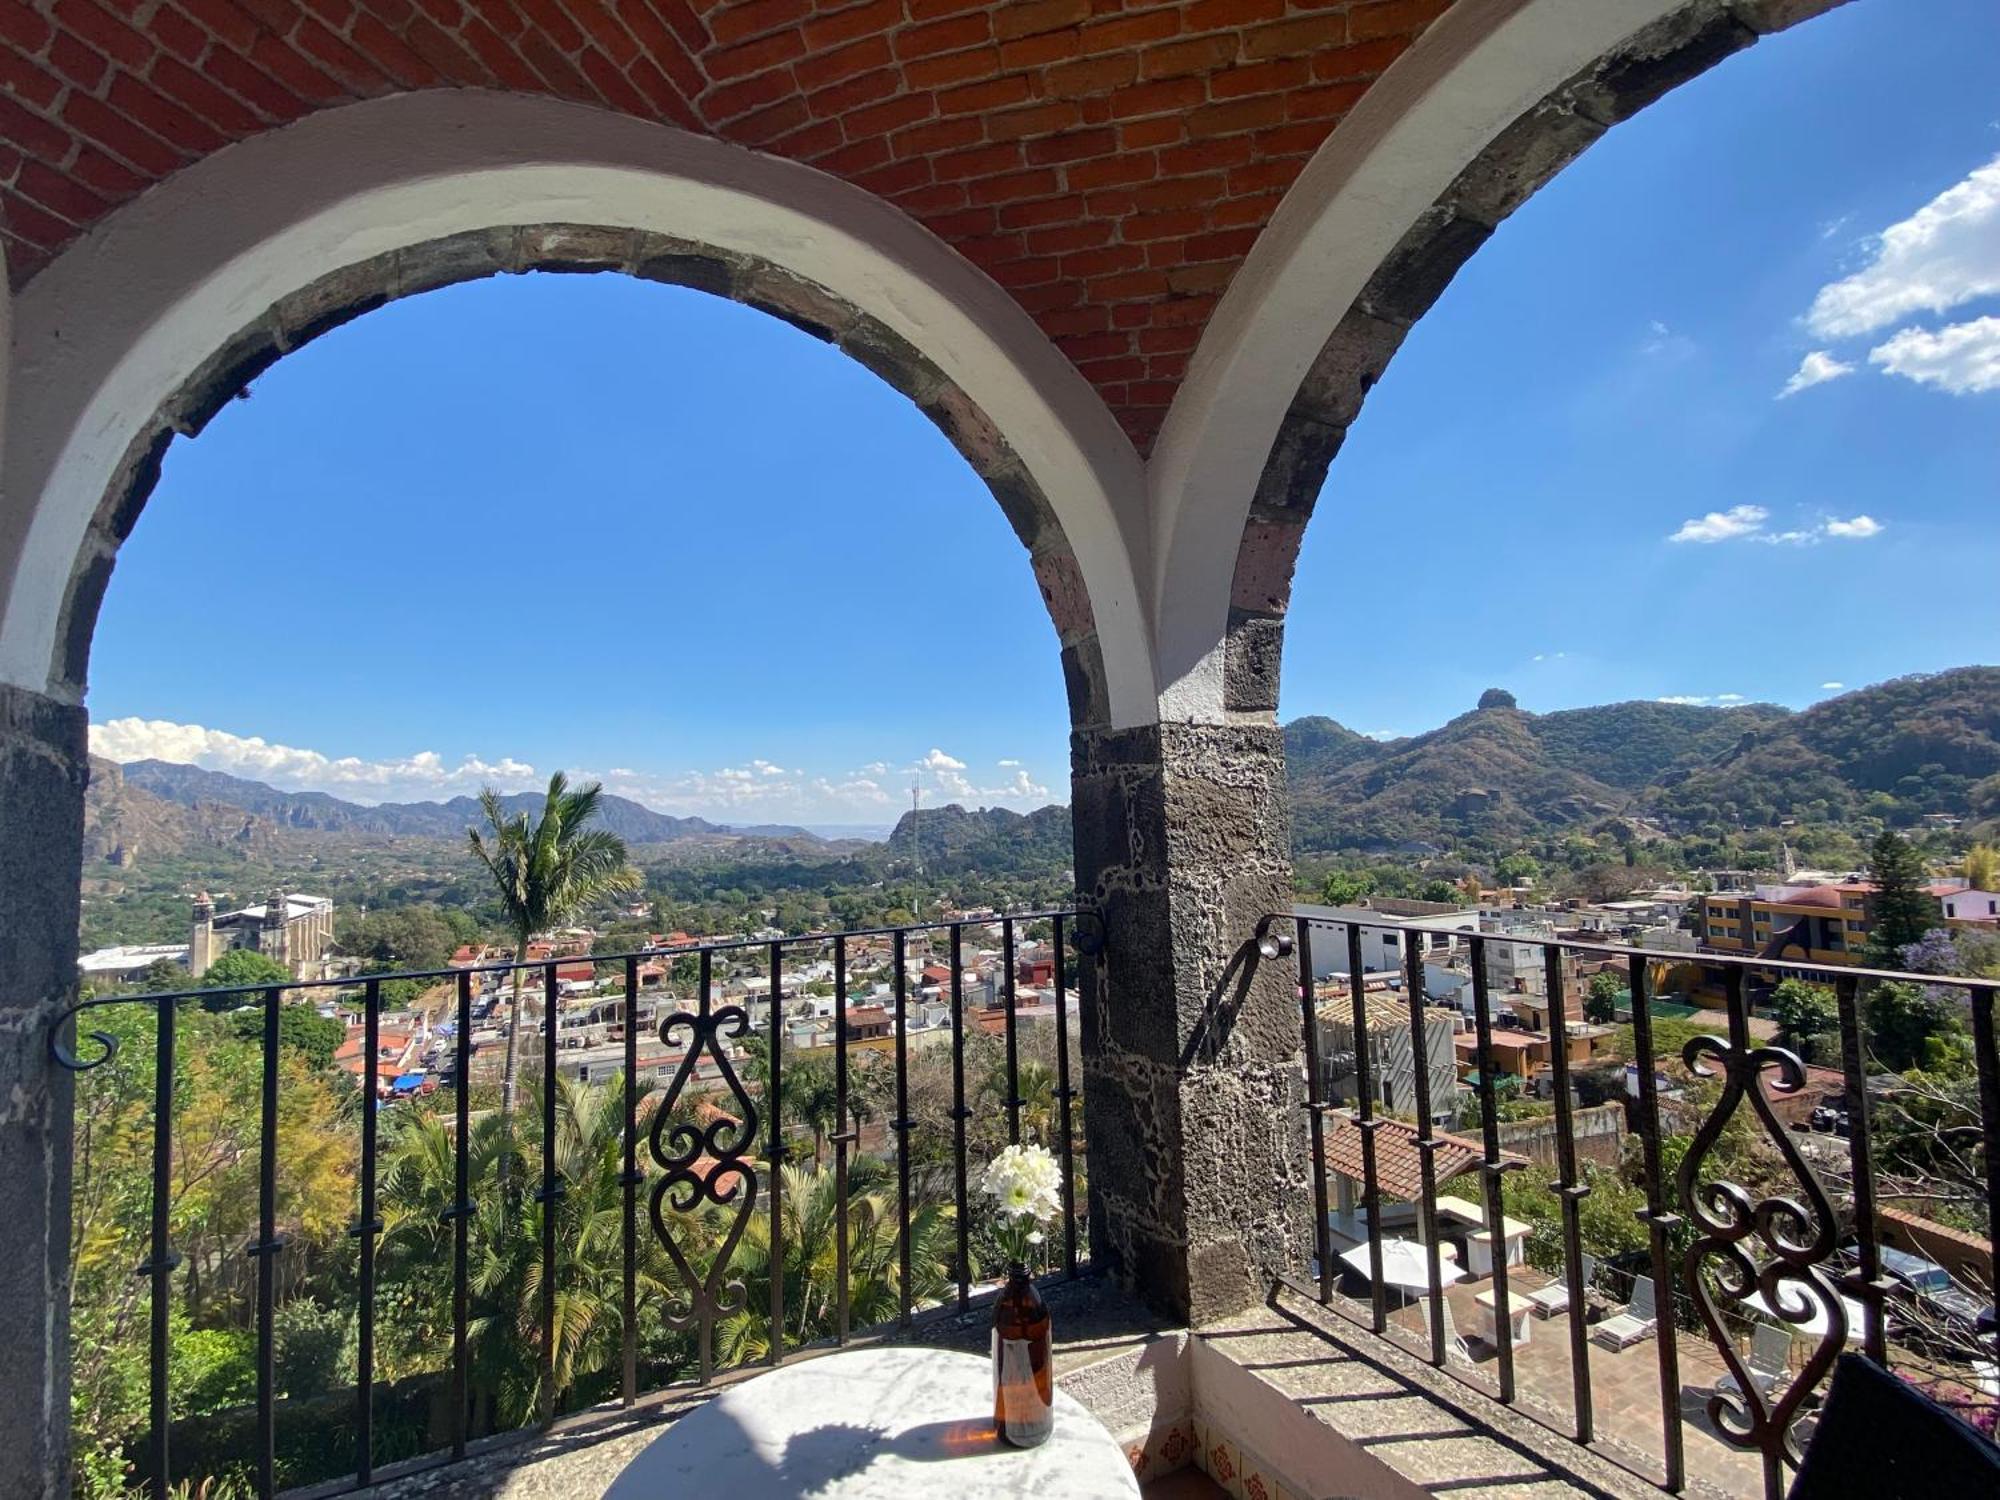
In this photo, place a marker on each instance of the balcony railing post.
(1988, 1065)
(1660, 1221)
(1367, 1124)
(1064, 1094)
(551, 1193)
(460, 1215)
(1427, 1142)
(161, 1257)
(901, 1125)
(1867, 1282)
(1315, 1111)
(365, 1231)
(1014, 1100)
(846, 1135)
(628, 1185)
(1493, 1169)
(1571, 1190)
(265, 1251)
(959, 1115)
(774, 1098)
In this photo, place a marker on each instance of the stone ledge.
(1422, 1426)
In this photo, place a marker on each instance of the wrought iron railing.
(1710, 1242)
(692, 1164)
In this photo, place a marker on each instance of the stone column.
(43, 768)
(1193, 1082)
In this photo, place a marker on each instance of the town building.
(294, 930)
(1392, 1076)
(1827, 924)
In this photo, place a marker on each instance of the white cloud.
(1831, 687)
(1697, 700)
(1723, 525)
(1944, 255)
(1962, 359)
(758, 790)
(1662, 342)
(1006, 765)
(1816, 368)
(423, 774)
(1745, 523)
(1550, 655)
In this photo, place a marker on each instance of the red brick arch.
(1513, 166)
(1109, 163)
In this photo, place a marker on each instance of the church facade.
(294, 930)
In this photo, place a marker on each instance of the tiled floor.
(1624, 1386)
(1184, 1484)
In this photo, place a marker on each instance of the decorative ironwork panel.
(704, 1163)
(1773, 1247)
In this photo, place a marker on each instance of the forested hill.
(950, 840)
(1500, 775)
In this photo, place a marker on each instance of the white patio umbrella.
(1817, 1322)
(1405, 1264)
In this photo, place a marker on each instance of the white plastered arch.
(1478, 68)
(109, 331)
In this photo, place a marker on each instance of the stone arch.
(1241, 464)
(94, 416)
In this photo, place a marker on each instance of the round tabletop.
(880, 1423)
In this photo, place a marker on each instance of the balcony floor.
(578, 1458)
(1431, 1431)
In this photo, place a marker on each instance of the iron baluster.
(1014, 1100)
(1315, 1111)
(1570, 1189)
(1367, 1124)
(846, 1135)
(1798, 1238)
(264, 1250)
(1660, 1221)
(1427, 1142)
(1988, 1065)
(901, 1125)
(365, 1231)
(1494, 1167)
(459, 1214)
(161, 1258)
(704, 1163)
(1064, 1094)
(628, 1187)
(1866, 1280)
(959, 1114)
(550, 1194)
(773, 1101)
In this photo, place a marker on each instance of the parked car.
(1938, 1315)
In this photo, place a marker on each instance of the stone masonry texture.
(43, 767)
(1191, 1045)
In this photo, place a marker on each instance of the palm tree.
(547, 871)
(811, 1216)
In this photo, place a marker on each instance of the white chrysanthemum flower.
(1024, 1181)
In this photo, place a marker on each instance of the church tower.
(273, 940)
(201, 936)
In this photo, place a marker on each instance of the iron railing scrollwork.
(1711, 1244)
(727, 1162)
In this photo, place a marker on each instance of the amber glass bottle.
(1023, 1377)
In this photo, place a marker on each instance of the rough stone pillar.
(1191, 1046)
(43, 768)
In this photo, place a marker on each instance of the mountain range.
(1489, 780)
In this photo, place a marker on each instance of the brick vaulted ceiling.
(1109, 163)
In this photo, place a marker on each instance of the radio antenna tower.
(916, 847)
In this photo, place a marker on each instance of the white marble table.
(880, 1423)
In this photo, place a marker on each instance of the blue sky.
(639, 533)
